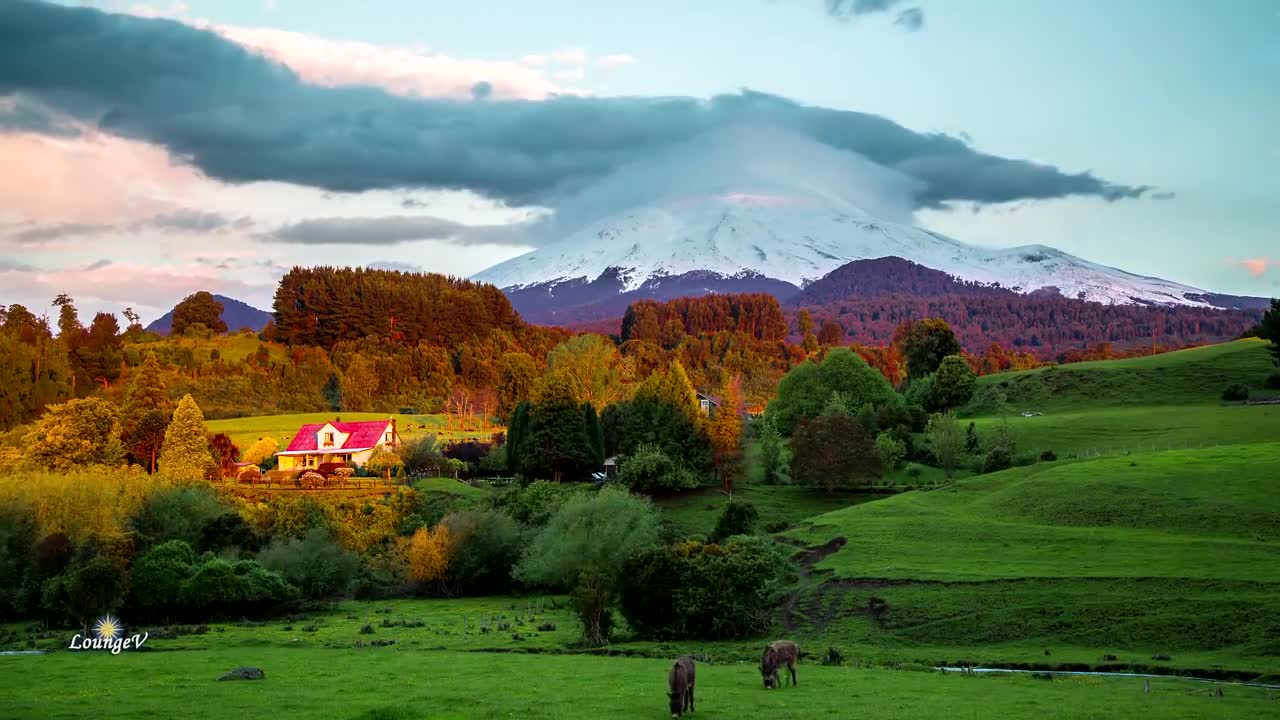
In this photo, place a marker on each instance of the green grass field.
(1165, 552)
(1119, 430)
(246, 430)
(1185, 377)
(396, 683)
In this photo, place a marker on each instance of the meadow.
(405, 680)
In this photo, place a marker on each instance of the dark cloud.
(481, 90)
(911, 19)
(413, 203)
(39, 234)
(240, 117)
(392, 230)
(7, 265)
(97, 265)
(193, 221)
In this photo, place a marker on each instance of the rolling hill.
(235, 314)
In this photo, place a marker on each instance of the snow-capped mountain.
(761, 209)
(798, 240)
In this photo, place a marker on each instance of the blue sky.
(1178, 95)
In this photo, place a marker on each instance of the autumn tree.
(200, 308)
(185, 455)
(725, 431)
(830, 334)
(594, 366)
(224, 451)
(102, 350)
(804, 323)
(261, 450)
(925, 343)
(77, 432)
(833, 451)
(430, 553)
(517, 375)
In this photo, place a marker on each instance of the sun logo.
(107, 627)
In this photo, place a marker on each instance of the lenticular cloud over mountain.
(758, 202)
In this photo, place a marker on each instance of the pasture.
(401, 682)
(245, 430)
(1170, 552)
(1184, 377)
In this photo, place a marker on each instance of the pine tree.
(185, 454)
(146, 392)
(557, 443)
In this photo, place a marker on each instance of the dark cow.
(777, 654)
(680, 682)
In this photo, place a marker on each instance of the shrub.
(177, 514)
(650, 469)
(1236, 392)
(913, 471)
(486, 546)
(228, 530)
(229, 589)
(737, 518)
(316, 564)
(282, 477)
(330, 468)
(1048, 456)
(311, 480)
(705, 590)
(89, 587)
(997, 458)
(249, 475)
(833, 656)
(344, 473)
(892, 451)
(157, 579)
(833, 451)
(1273, 381)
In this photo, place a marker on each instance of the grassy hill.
(1168, 553)
(1185, 377)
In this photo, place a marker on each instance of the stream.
(1096, 673)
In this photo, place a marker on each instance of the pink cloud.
(1257, 267)
(403, 71)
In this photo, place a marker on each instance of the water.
(1096, 673)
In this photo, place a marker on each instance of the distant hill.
(235, 314)
(887, 276)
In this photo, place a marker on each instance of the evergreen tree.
(595, 434)
(145, 436)
(146, 392)
(185, 453)
(517, 431)
(557, 443)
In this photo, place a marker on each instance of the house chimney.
(395, 435)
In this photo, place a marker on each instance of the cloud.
(97, 265)
(615, 60)
(183, 220)
(7, 265)
(911, 19)
(240, 117)
(392, 230)
(402, 71)
(1257, 267)
(394, 265)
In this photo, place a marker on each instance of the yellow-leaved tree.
(430, 553)
(259, 451)
(185, 455)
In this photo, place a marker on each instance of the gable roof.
(362, 436)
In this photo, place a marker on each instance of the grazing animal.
(777, 654)
(680, 684)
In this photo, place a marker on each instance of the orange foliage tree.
(430, 554)
(725, 430)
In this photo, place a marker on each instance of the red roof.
(363, 435)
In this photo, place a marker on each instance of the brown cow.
(777, 654)
(680, 682)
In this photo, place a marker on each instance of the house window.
(328, 439)
(387, 438)
(311, 461)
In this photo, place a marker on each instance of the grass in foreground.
(392, 683)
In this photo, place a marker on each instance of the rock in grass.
(244, 673)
